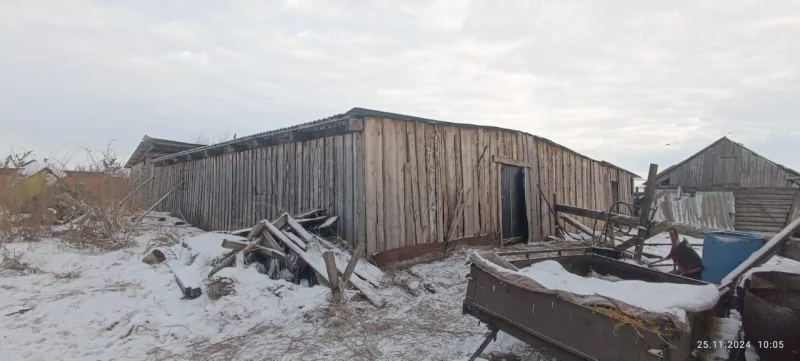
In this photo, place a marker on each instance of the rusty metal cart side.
(570, 331)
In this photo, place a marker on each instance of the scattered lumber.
(312, 220)
(266, 251)
(328, 224)
(292, 246)
(351, 266)
(604, 216)
(333, 276)
(644, 216)
(316, 213)
(577, 224)
(363, 269)
(187, 279)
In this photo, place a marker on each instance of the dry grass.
(220, 287)
(67, 276)
(101, 230)
(163, 239)
(11, 261)
(230, 348)
(623, 320)
(503, 356)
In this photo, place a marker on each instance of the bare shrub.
(163, 239)
(100, 230)
(105, 224)
(86, 202)
(25, 212)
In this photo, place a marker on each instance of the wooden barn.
(395, 180)
(766, 193)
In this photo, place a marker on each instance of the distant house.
(766, 193)
(140, 163)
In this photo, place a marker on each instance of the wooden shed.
(395, 180)
(766, 193)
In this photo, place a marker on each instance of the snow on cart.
(591, 307)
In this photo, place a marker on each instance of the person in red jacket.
(684, 257)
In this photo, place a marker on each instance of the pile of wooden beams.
(294, 245)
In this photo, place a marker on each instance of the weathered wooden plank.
(359, 201)
(413, 183)
(541, 152)
(303, 149)
(290, 196)
(432, 171)
(372, 170)
(447, 170)
(268, 197)
(533, 156)
(380, 183)
(339, 207)
(467, 171)
(399, 132)
(390, 187)
(439, 178)
(458, 156)
(474, 193)
(480, 184)
(572, 177)
(529, 206)
(349, 185)
(311, 172)
(491, 183)
(423, 219)
(330, 175)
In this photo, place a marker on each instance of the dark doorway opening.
(514, 214)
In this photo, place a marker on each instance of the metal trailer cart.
(570, 331)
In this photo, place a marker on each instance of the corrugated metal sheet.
(706, 210)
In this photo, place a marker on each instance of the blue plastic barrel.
(724, 251)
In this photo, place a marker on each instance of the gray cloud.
(614, 80)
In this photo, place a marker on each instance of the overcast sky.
(615, 80)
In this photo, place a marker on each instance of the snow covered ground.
(104, 306)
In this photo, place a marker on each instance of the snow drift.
(647, 301)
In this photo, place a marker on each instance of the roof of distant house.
(157, 146)
(673, 167)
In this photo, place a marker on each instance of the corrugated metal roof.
(704, 210)
(362, 113)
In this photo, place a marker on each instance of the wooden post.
(559, 231)
(333, 276)
(644, 216)
(134, 192)
(159, 201)
(351, 266)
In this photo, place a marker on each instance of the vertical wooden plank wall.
(234, 190)
(414, 173)
(578, 181)
(394, 185)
